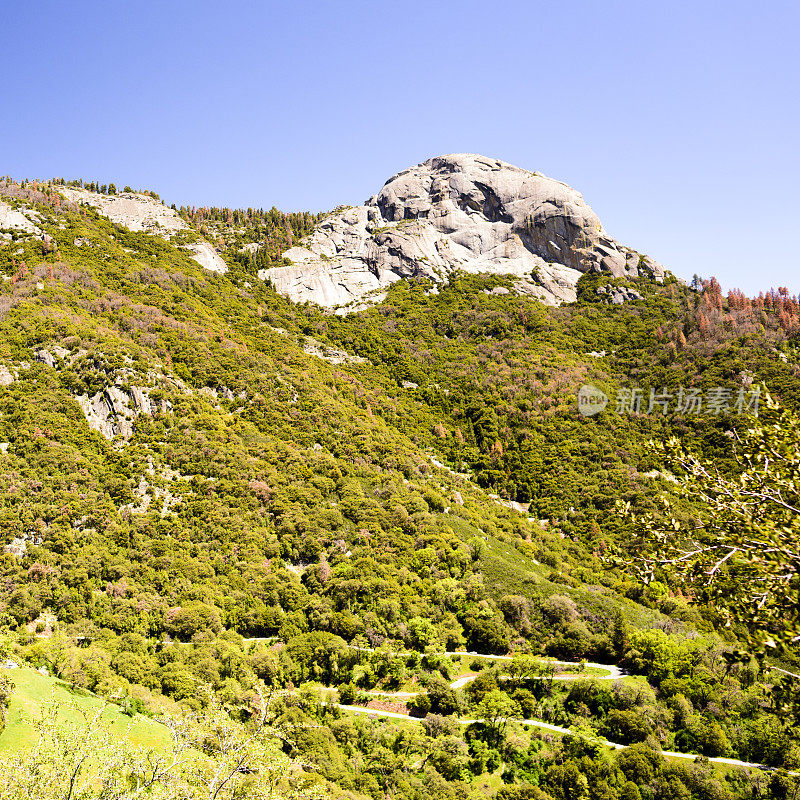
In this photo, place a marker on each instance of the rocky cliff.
(456, 212)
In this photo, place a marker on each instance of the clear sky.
(679, 122)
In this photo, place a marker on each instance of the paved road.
(538, 723)
(459, 683)
(614, 672)
(785, 672)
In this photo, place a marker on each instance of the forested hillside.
(206, 485)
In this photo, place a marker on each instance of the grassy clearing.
(464, 666)
(638, 680)
(587, 672)
(32, 690)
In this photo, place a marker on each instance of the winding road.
(614, 673)
(538, 723)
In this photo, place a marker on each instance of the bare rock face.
(17, 548)
(206, 256)
(456, 212)
(330, 354)
(113, 411)
(139, 212)
(16, 220)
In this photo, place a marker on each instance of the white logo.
(591, 400)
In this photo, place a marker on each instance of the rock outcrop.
(206, 256)
(11, 219)
(456, 212)
(330, 354)
(113, 411)
(139, 212)
(617, 295)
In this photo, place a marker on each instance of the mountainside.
(138, 212)
(206, 484)
(457, 212)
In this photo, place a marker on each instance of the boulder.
(617, 295)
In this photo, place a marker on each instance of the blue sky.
(679, 122)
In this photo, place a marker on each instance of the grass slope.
(33, 690)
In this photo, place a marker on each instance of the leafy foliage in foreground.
(743, 551)
(210, 755)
